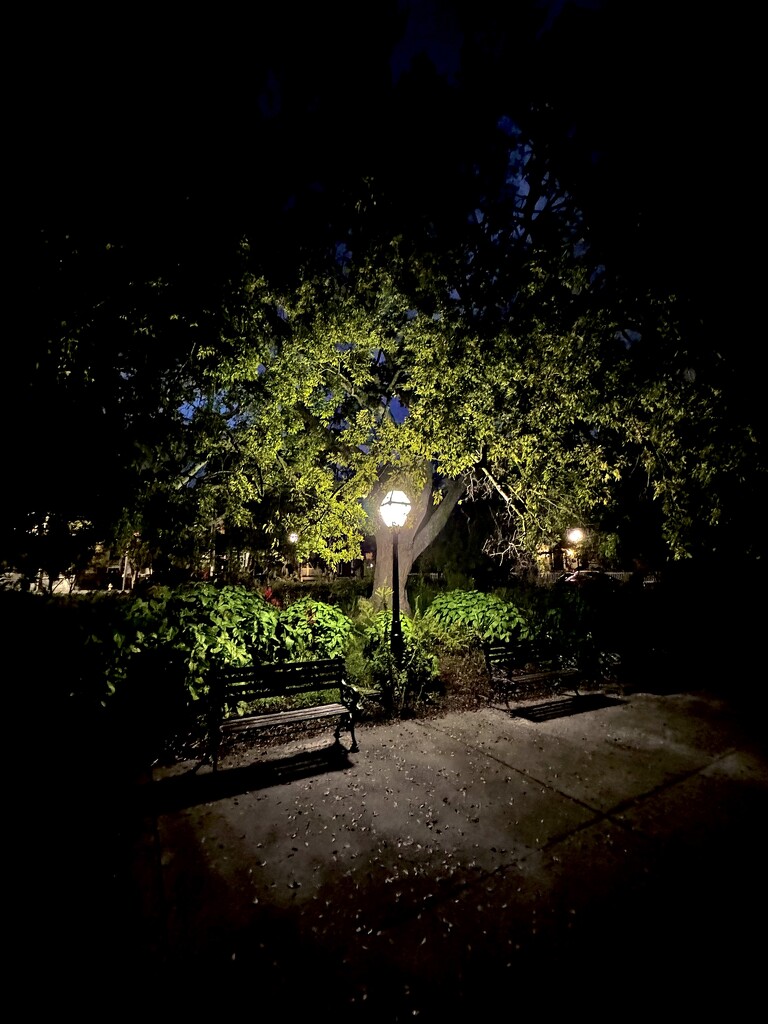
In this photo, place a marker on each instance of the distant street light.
(575, 536)
(394, 512)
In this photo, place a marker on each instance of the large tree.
(542, 386)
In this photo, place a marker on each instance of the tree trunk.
(424, 523)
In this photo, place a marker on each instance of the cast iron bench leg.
(348, 723)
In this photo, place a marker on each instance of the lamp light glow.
(395, 508)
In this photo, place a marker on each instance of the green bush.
(475, 618)
(371, 666)
(205, 625)
(547, 627)
(342, 592)
(312, 629)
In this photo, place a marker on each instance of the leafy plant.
(404, 686)
(477, 617)
(310, 628)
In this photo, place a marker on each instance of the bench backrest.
(283, 679)
(500, 652)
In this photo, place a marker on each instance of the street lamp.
(291, 562)
(394, 511)
(575, 536)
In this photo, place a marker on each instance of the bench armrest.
(350, 695)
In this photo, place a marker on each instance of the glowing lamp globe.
(395, 508)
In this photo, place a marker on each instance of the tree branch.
(435, 522)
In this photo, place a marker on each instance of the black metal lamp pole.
(397, 632)
(394, 512)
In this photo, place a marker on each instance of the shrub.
(309, 628)
(205, 625)
(371, 665)
(342, 592)
(473, 617)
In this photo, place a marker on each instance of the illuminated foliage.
(573, 406)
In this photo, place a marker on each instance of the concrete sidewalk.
(591, 852)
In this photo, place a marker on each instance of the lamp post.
(575, 536)
(291, 564)
(394, 511)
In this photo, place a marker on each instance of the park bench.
(260, 696)
(508, 679)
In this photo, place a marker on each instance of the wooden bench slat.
(540, 677)
(261, 721)
(236, 693)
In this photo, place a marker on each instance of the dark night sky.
(140, 120)
(169, 103)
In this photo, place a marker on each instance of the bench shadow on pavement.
(175, 792)
(562, 707)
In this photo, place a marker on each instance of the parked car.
(591, 578)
